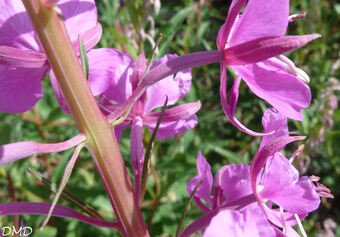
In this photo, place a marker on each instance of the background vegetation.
(187, 26)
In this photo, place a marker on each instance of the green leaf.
(83, 57)
(231, 156)
(133, 13)
(187, 207)
(49, 231)
(117, 35)
(170, 31)
(150, 146)
(5, 131)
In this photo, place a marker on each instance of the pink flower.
(249, 41)
(275, 180)
(124, 81)
(126, 75)
(23, 63)
(243, 195)
(231, 210)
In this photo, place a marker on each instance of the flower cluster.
(266, 198)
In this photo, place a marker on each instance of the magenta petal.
(253, 22)
(251, 221)
(226, 107)
(102, 67)
(229, 223)
(110, 66)
(204, 174)
(172, 87)
(138, 70)
(170, 129)
(183, 78)
(10, 56)
(90, 38)
(269, 81)
(233, 95)
(200, 223)
(121, 68)
(173, 114)
(273, 120)
(234, 181)
(20, 208)
(157, 93)
(224, 31)
(16, 29)
(282, 186)
(290, 232)
(16, 151)
(79, 16)
(135, 80)
(263, 48)
(262, 156)
(20, 88)
(281, 219)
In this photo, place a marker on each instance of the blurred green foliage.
(186, 26)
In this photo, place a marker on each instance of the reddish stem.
(101, 141)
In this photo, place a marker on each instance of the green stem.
(101, 141)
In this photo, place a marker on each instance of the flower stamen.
(303, 232)
(292, 69)
(321, 189)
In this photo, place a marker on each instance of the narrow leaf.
(83, 57)
(151, 58)
(186, 208)
(149, 150)
(64, 180)
(68, 196)
(133, 14)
